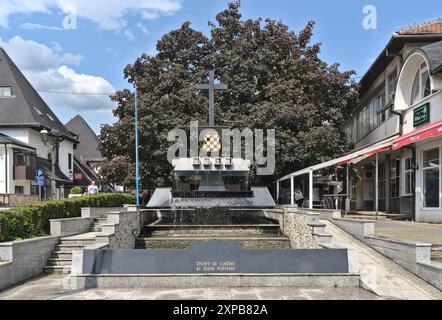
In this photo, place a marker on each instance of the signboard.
(40, 177)
(78, 176)
(421, 114)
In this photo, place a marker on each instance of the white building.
(23, 116)
(397, 131)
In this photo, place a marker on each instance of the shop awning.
(354, 156)
(426, 132)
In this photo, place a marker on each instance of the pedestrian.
(299, 197)
(92, 189)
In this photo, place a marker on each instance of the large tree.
(276, 81)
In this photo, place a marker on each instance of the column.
(310, 187)
(387, 183)
(376, 185)
(292, 190)
(277, 191)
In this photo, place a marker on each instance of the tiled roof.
(434, 26)
(25, 107)
(88, 148)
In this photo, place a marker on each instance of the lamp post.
(136, 148)
(56, 137)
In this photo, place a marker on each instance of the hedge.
(33, 220)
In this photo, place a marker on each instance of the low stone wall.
(96, 213)
(25, 259)
(294, 224)
(85, 281)
(415, 257)
(70, 226)
(121, 230)
(16, 200)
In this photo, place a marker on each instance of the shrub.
(76, 190)
(33, 220)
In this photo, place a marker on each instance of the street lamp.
(56, 137)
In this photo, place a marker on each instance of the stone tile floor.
(409, 231)
(52, 287)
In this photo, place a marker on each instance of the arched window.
(421, 84)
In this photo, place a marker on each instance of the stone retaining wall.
(25, 259)
(70, 226)
(121, 230)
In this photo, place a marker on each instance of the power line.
(77, 93)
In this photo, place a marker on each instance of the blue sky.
(110, 34)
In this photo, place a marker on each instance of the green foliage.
(33, 220)
(76, 190)
(276, 80)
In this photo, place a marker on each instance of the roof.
(46, 165)
(4, 139)
(428, 32)
(81, 166)
(25, 108)
(434, 55)
(89, 146)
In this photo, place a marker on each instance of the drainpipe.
(6, 168)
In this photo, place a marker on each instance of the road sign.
(40, 177)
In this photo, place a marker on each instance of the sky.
(74, 51)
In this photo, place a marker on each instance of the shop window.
(431, 175)
(408, 177)
(395, 178)
(421, 84)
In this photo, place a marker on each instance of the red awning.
(426, 132)
(379, 147)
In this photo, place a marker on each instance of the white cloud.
(129, 35)
(143, 28)
(50, 70)
(107, 14)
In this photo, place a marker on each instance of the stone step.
(95, 229)
(317, 227)
(100, 220)
(57, 269)
(68, 247)
(59, 262)
(322, 238)
(61, 255)
(185, 242)
(77, 242)
(166, 230)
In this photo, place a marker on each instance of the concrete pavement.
(380, 274)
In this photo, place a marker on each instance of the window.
(421, 84)
(382, 180)
(19, 190)
(431, 175)
(69, 161)
(5, 92)
(395, 177)
(408, 177)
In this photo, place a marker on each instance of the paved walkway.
(385, 277)
(51, 287)
(409, 231)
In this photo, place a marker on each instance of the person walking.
(299, 197)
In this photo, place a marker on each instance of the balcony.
(24, 173)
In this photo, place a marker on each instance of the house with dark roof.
(24, 117)
(397, 133)
(87, 156)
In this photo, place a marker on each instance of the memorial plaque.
(215, 257)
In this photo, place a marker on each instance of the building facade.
(31, 138)
(396, 130)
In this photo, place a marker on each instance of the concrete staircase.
(61, 259)
(257, 236)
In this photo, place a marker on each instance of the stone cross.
(211, 86)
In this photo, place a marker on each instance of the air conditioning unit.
(207, 162)
(196, 162)
(228, 162)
